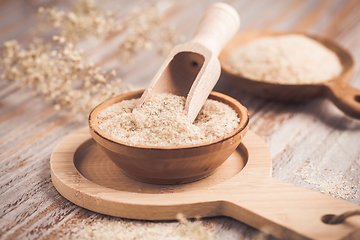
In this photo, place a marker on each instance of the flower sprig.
(56, 70)
(59, 74)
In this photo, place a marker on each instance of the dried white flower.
(57, 71)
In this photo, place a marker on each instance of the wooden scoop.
(192, 69)
(345, 97)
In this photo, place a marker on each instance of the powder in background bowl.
(287, 59)
(161, 121)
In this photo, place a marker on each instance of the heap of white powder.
(288, 59)
(161, 121)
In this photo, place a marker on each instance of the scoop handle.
(218, 25)
(345, 97)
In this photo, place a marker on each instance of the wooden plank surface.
(313, 144)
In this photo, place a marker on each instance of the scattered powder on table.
(332, 182)
(161, 121)
(111, 228)
(289, 59)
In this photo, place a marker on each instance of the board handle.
(345, 97)
(290, 212)
(218, 25)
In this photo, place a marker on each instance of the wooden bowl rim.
(320, 39)
(244, 122)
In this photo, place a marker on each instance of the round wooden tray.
(79, 160)
(92, 163)
(241, 188)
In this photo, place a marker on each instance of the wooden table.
(313, 144)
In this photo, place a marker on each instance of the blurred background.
(59, 59)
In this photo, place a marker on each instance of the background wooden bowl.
(338, 90)
(169, 165)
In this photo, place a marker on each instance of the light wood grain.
(313, 144)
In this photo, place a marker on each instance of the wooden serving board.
(242, 188)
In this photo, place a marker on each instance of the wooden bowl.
(344, 96)
(169, 165)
